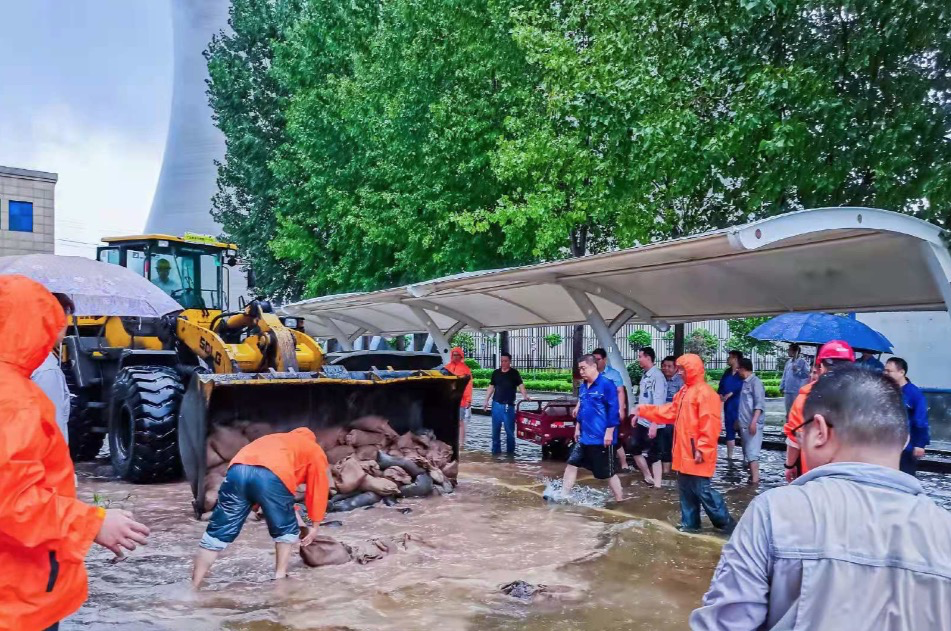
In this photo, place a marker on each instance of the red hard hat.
(836, 349)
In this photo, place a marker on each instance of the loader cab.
(191, 269)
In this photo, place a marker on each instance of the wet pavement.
(623, 567)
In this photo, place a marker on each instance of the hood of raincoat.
(30, 321)
(693, 369)
(305, 432)
(459, 350)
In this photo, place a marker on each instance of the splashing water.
(580, 495)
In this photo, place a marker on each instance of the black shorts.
(662, 447)
(639, 441)
(597, 459)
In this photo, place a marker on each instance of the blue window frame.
(21, 216)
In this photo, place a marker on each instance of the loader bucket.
(258, 404)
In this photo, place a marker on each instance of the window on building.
(21, 216)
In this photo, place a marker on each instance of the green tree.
(740, 339)
(703, 343)
(639, 339)
(250, 109)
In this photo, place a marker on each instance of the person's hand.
(722, 398)
(119, 530)
(574, 412)
(634, 411)
(608, 438)
(577, 432)
(652, 431)
(918, 452)
(790, 475)
(753, 429)
(697, 456)
(309, 537)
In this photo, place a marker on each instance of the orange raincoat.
(695, 413)
(460, 369)
(45, 532)
(795, 420)
(296, 458)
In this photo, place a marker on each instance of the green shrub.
(472, 364)
(553, 340)
(639, 339)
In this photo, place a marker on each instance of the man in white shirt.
(653, 391)
(50, 378)
(164, 281)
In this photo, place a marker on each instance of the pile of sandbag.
(369, 460)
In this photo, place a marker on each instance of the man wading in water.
(595, 431)
(267, 472)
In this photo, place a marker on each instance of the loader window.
(189, 275)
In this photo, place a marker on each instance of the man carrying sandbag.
(267, 472)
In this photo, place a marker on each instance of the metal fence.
(550, 347)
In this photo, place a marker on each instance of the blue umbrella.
(819, 328)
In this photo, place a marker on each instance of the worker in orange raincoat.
(831, 353)
(695, 414)
(267, 472)
(458, 367)
(45, 532)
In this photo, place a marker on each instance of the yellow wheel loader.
(159, 387)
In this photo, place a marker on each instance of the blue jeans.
(696, 491)
(245, 485)
(503, 413)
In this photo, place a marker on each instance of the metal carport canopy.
(827, 259)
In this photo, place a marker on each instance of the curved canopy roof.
(827, 259)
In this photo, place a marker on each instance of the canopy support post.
(345, 342)
(603, 333)
(442, 344)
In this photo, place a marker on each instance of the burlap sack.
(256, 430)
(451, 470)
(338, 453)
(324, 550)
(372, 467)
(360, 438)
(367, 452)
(380, 486)
(349, 475)
(227, 441)
(376, 424)
(398, 475)
(212, 458)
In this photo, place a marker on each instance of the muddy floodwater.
(623, 567)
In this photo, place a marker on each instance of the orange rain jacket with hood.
(296, 458)
(460, 369)
(696, 414)
(45, 532)
(795, 420)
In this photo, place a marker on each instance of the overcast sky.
(85, 90)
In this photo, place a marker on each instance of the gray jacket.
(846, 546)
(795, 375)
(51, 380)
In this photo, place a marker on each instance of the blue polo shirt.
(597, 410)
(919, 434)
(731, 382)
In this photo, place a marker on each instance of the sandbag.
(338, 453)
(437, 476)
(212, 457)
(376, 424)
(213, 479)
(423, 441)
(348, 474)
(367, 452)
(357, 501)
(398, 475)
(324, 550)
(330, 437)
(380, 486)
(256, 430)
(359, 438)
(372, 467)
(437, 458)
(386, 461)
(406, 442)
(227, 441)
(451, 470)
(422, 487)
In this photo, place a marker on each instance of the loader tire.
(143, 424)
(84, 441)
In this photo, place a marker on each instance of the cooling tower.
(182, 201)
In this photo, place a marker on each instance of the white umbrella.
(97, 289)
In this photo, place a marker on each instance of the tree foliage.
(740, 336)
(371, 143)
